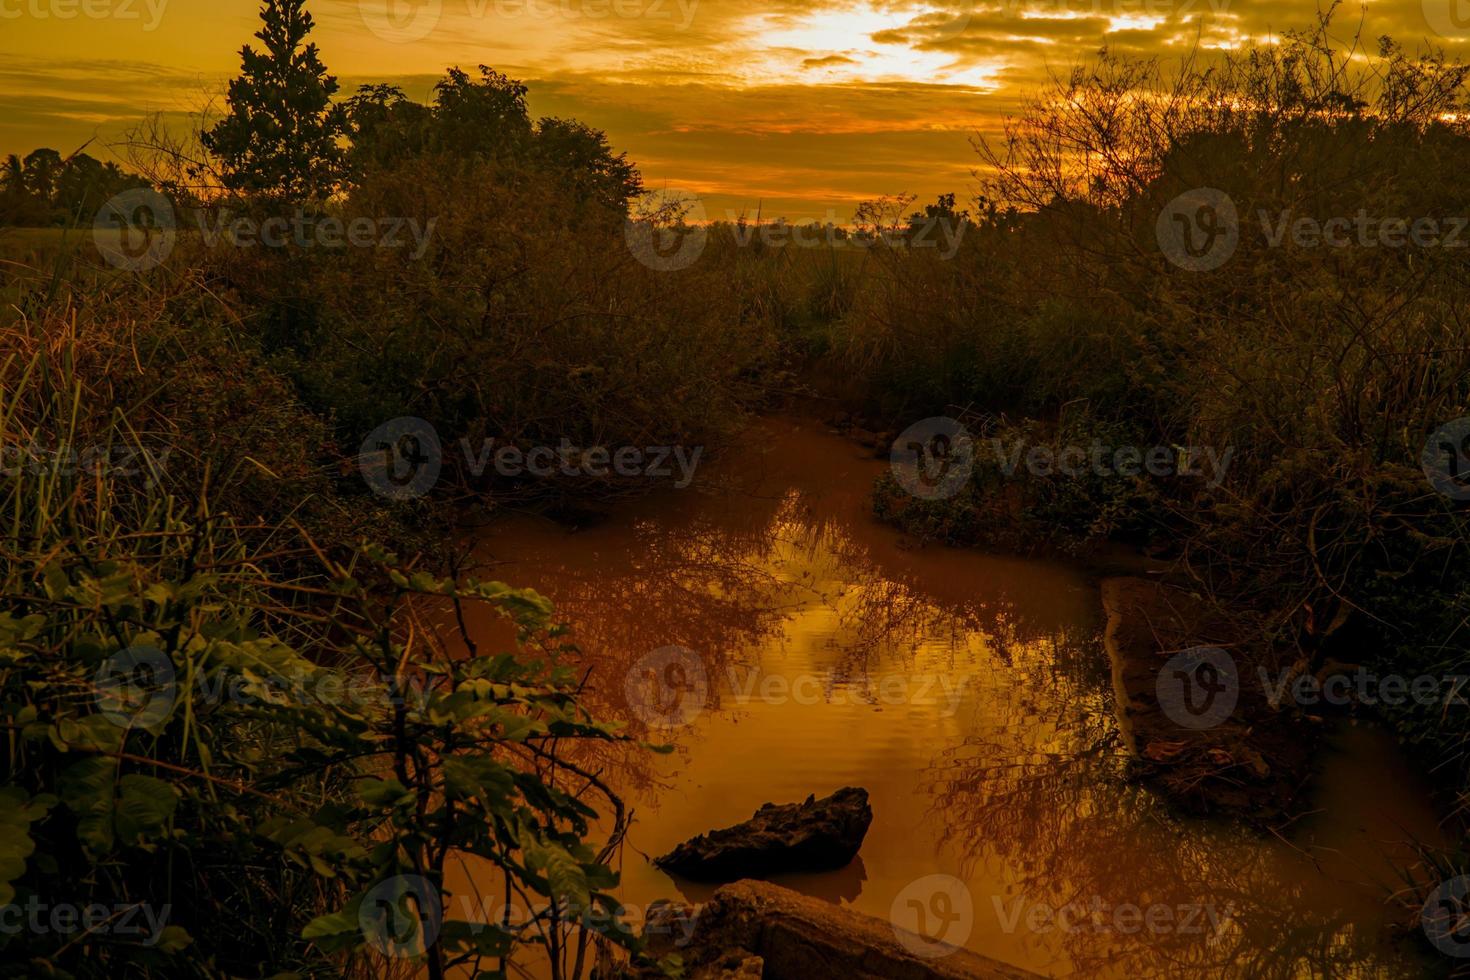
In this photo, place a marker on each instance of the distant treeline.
(45, 189)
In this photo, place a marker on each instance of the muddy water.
(970, 696)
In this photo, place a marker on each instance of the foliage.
(221, 756)
(1322, 369)
(474, 122)
(280, 137)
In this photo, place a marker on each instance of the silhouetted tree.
(580, 157)
(485, 118)
(385, 126)
(280, 138)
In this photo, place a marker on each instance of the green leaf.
(86, 787)
(17, 812)
(564, 874)
(171, 939)
(144, 809)
(384, 792)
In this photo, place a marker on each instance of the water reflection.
(971, 697)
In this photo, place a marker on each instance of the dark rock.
(818, 835)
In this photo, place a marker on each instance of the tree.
(581, 158)
(385, 126)
(485, 118)
(42, 167)
(280, 137)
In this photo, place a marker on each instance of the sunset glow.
(802, 106)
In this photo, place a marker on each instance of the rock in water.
(818, 835)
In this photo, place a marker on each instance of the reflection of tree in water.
(713, 588)
(1040, 800)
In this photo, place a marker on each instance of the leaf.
(17, 812)
(145, 807)
(483, 938)
(564, 875)
(477, 776)
(334, 926)
(86, 787)
(384, 792)
(171, 939)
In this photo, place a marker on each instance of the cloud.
(803, 104)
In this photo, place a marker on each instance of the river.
(970, 695)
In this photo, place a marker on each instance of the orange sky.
(801, 107)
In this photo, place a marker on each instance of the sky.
(794, 108)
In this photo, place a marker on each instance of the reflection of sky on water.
(971, 697)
